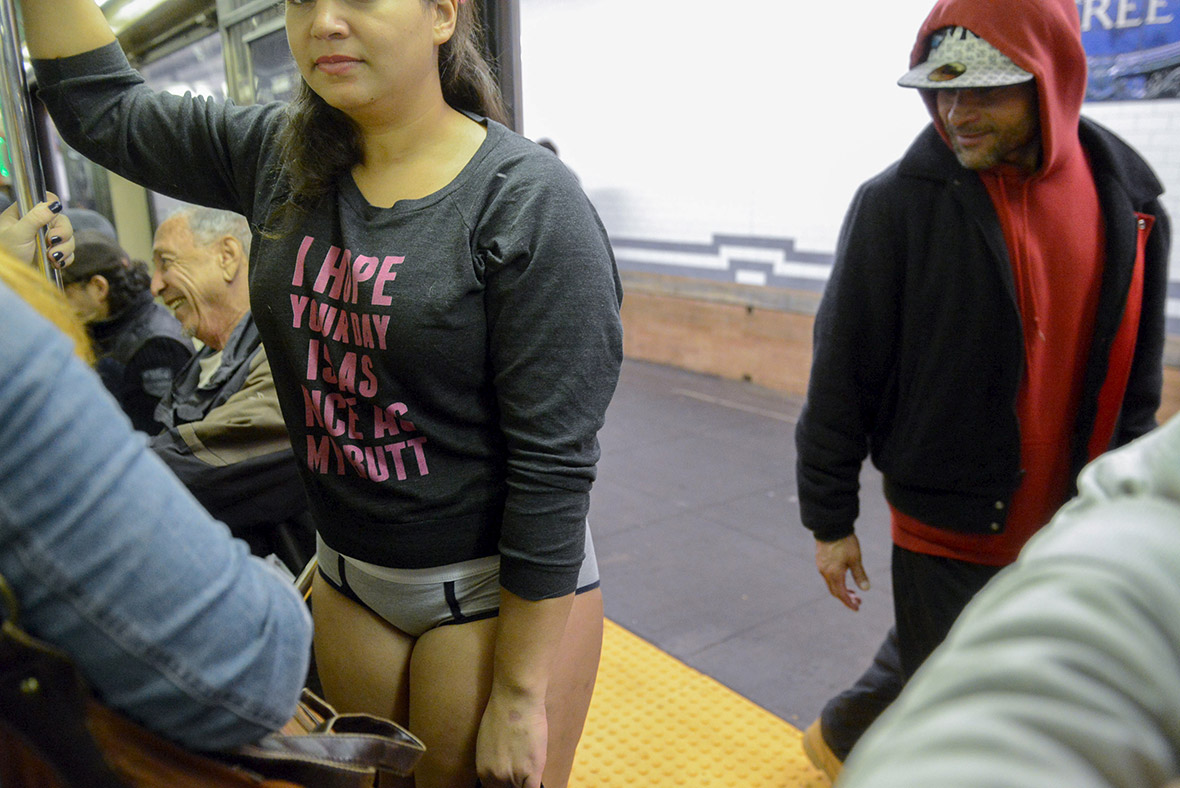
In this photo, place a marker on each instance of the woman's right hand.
(18, 234)
(512, 741)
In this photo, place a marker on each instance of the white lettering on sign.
(1126, 13)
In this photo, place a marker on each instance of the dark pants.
(849, 714)
(929, 592)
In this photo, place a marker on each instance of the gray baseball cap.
(960, 59)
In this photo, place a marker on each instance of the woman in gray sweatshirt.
(440, 308)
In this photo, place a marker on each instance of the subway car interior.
(722, 644)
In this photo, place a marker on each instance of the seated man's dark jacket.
(227, 440)
(140, 350)
(918, 341)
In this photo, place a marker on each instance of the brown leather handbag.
(55, 734)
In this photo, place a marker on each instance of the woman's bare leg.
(363, 661)
(451, 677)
(571, 686)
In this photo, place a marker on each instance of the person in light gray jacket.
(1065, 669)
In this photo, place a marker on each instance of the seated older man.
(223, 433)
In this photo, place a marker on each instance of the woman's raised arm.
(60, 28)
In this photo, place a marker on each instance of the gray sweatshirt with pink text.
(443, 365)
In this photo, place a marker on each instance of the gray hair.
(210, 224)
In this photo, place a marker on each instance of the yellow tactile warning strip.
(655, 721)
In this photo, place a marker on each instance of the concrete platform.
(701, 551)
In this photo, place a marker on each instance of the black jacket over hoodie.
(918, 350)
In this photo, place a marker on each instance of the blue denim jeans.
(169, 618)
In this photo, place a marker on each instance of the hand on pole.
(18, 234)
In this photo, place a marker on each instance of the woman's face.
(370, 57)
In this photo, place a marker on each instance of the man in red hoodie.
(994, 320)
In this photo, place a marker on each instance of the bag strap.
(46, 704)
(332, 750)
(43, 705)
(54, 733)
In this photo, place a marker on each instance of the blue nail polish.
(55, 206)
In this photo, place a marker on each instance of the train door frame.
(501, 19)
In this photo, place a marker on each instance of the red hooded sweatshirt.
(1054, 231)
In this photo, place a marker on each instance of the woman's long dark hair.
(318, 143)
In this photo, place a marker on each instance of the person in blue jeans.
(169, 619)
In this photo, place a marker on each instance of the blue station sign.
(1133, 48)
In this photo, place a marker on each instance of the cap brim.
(957, 76)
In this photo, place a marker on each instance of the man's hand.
(834, 560)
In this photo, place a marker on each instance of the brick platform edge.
(758, 334)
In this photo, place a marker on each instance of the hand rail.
(27, 176)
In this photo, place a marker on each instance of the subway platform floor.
(701, 552)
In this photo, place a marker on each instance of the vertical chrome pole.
(27, 177)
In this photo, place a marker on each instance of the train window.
(275, 77)
(198, 68)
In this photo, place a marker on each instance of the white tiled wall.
(695, 121)
(1153, 127)
(692, 118)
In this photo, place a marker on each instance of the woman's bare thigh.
(451, 678)
(438, 685)
(362, 660)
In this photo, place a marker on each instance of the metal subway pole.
(27, 177)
